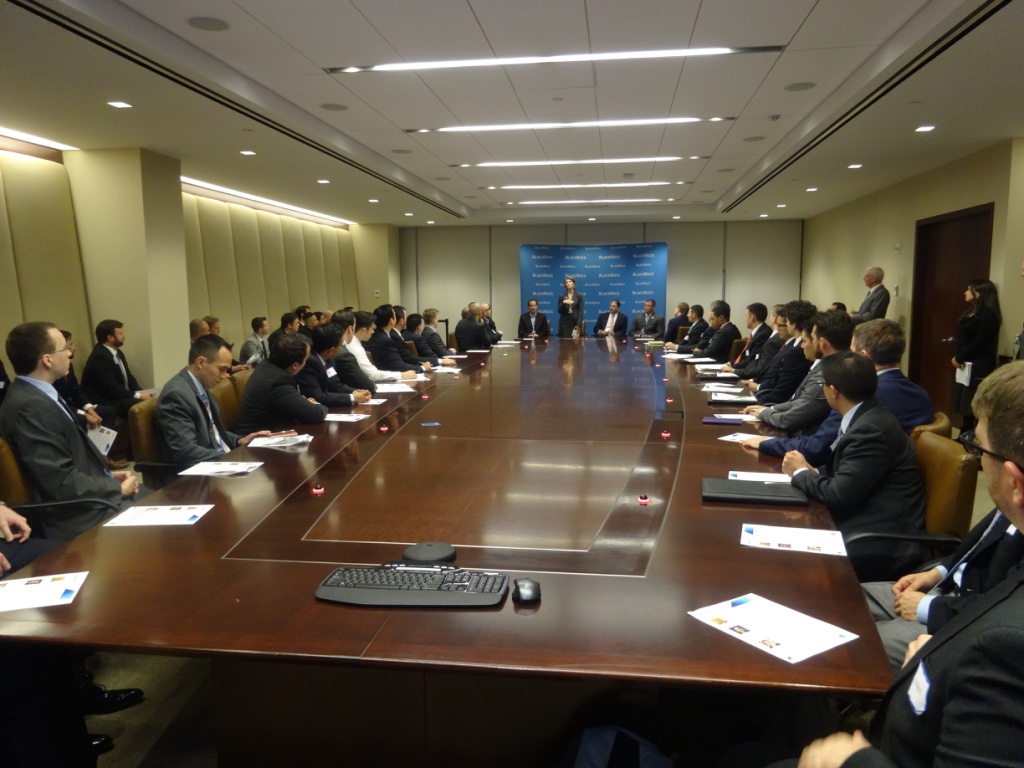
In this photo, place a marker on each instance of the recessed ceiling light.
(812, 189)
(697, 157)
(408, 214)
(671, 199)
(925, 128)
(208, 24)
(676, 217)
(680, 182)
(599, 161)
(592, 219)
(30, 139)
(509, 221)
(855, 166)
(589, 202)
(781, 205)
(126, 105)
(430, 222)
(323, 181)
(764, 216)
(502, 187)
(674, 53)
(587, 186)
(247, 152)
(264, 200)
(373, 200)
(805, 86)
(582, 124)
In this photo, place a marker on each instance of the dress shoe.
(97, 700)
(100, 743)
(115, 465)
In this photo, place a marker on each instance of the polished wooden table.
(530, 461)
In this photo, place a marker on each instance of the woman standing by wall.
(570, 309)
(977, 343)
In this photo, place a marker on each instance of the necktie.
(744, 350)
(214, 432)
(955, 574)
(264, 354)
(533, 322)
(124, 373)
(611, 323)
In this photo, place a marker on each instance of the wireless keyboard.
(414, 585)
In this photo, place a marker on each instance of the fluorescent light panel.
(583, 124)
(589, 186)
(264, 200)
(29, 138)
(588, 202)
(570, 58)
(599, 161)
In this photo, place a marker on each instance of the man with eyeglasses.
(957, 698)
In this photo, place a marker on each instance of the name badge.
(331, 373)
(918, 693)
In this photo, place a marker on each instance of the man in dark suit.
(433, 338)
(876, 303)
(749, 367)
(411, 332)
(783, 374)
(679, 320)
(698, 329)
(957, 697)
(187, 419)
(4, 382)
(344, 362)
(754, 319)
(470, 332)
(533, 324)
(290, 323)
(60, 462)
(106, 378)
(492, 329)
(271, 399)
(871, 481)
(648, 323)
(725, 333)
(381, 345)
(612, 322)
(318, 380)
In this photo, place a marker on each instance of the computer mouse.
(526, 591)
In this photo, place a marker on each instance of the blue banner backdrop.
(631, 273)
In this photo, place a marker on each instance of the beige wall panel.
(198, 294)
(315, 273)
(604, 234)
(407, 268)
(44, 240)
(375, 252)
(295, 262)
(880, 229)
(275, 273)
(332, 268)
(454, 268)
(10, 294)
(762, 263)
(696, 258)
(505, 284)
(252, 291)
(219, 257)
(1011, 286)
(347, 262)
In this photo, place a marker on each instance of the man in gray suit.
(59, 460)
(871, 481)
(876, 303)
(255, 348)
(188, 425)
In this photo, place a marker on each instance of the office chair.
(940, 426)
(155, 473)
(223, 393)
(737, 348)
(412, 347)
(682, 330)
(238, 380)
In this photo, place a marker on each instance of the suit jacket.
(103, 383)
(314, 381)
(254, 345)
(782, 375)
(403, 350)
(647, 326)
(752, 367)
(423, 349)
(5, 382)
(721, 343)
(59, 461)
(271, 400)
(434, 340)
(69, 389)
(492, 330)
(673, 325)
(702, 341)
(874, 306)
(386, 355)
(619, 329)
(757, 339)
(349, 372)
(872, 483)
(967, 682)
(469, 334)
(977, 342)
(805, 411)
(697, 330)
(569, 316)
(541, 326)
(183, 426)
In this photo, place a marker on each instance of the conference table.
(532, 460)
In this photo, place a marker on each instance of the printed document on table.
(736, 437)
(375, 401)
(222, 468)
(705, 368)
(792, 539)
(347, 416)
(759, 477)
(963, 374)
(787, 634)
(693, 360)
(737, 416)
(718, 387)
(280, 442)
(40, 591)
(675, 356)
(185, 514)
(445, 369)
(393, 386)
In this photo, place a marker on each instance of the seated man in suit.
(106, 378)
(255, 348)
(290, 323)
(412, 331)
(197, 327)
(365, 326)
(271, 399)
(698, 329)
(187, 419)
(318, 380)
(725, 333)
(679, 320)
(492, 329)
(883, 343)
(533, 324)
(648, 324)
(381, 345)
(876, 303)
(59, 460)
(433, 338)
(754, 319)
(783, 374)
(871, 481)
(344, 362)
(750, 366)
(4, 382)
(956, 699)
(803, 413)
(423, 356)
(612, 322)
(470, 333)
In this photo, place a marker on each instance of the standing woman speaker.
(977, 343)
(570, 310)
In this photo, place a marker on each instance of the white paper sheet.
(167, 515)
(726, 397)
(736, 437)
(375, 401)
(694, 360)
(759, 477)
(963, 375)
(792, 539)
(102, 438)
(389, 387)
(222, 468)
(40, 591)
(280, 442)
(737, 416)
(784, 633)
(348, 417)
(718, 387)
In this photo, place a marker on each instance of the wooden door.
(949, 251)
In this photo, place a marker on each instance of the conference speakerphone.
(401, 584)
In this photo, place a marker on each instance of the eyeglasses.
(969, 441)
(62, 349)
